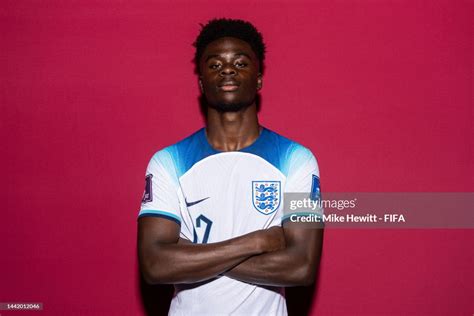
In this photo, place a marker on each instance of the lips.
(229, 85)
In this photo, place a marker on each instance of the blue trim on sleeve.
(162, 214)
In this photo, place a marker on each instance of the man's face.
(229, 74)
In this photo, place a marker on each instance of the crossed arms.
(279, 256)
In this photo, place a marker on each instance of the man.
(211, 220)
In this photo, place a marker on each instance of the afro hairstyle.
(223, 27)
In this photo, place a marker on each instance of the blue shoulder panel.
(190, 150)
(272, 147)
(275, 149)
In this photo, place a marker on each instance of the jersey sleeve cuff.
(163, 214)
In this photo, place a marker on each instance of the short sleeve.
(302, 170)
(160, 197)
(302, 183)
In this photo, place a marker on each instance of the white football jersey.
(215, 196)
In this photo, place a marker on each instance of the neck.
(232, 131)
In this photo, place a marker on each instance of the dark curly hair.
(223, 27)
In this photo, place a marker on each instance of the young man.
(211, 220)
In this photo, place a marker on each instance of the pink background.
(380, 91)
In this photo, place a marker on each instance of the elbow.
(304, 278)
(304, 275)
(149, 277)
(308, 277)
(308, 265)
(152, 274)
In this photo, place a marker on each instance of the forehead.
(228, 46)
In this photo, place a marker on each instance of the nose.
(227, 70)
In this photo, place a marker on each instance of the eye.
(240, 64)
(214, 66)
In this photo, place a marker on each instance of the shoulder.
(291, 152)
(181, 156)
(285, 144)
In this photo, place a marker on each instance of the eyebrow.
(238, 54)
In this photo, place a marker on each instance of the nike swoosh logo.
(188, 204)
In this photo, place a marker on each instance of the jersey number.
(202, 219)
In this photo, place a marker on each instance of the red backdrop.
(381, 91)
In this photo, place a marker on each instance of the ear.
(200, 86)
(259, 81)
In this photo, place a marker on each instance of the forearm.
(293, 266)
(279, 268)
(189, 263)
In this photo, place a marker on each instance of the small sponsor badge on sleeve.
(147, 195)
(315, 189)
